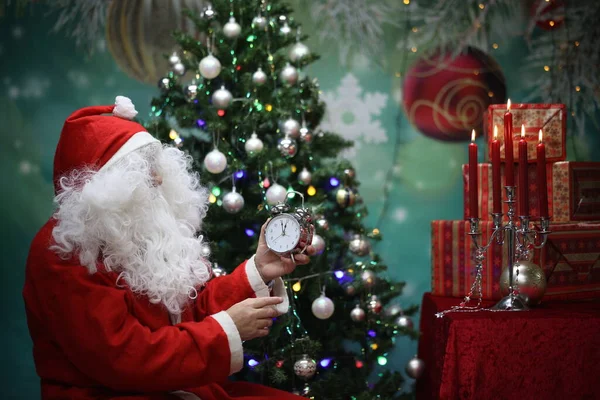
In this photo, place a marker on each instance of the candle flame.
(473, 135)
(541, 136)
(523, 131)
(495, 132)
(508, 105)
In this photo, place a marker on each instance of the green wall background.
(44, 77)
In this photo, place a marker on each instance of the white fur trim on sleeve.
(262, 290)
(235, 342)
(124, 108)
(137, 141)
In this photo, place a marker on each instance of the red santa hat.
(91, 139)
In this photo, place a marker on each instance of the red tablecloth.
(550, 352)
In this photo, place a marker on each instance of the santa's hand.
(272, 266)
(253, 317)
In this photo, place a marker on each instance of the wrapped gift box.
(576, 191)
(551, 118)
(484, 176)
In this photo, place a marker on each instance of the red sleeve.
(90, 321)
(244, 282)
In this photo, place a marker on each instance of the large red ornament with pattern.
(548, 14)
(446, 97)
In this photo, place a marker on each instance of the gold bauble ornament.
(530, 281)
(346, 197)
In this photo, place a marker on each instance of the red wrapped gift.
(484, 175)
(551, 118)
(576, 194)
(571, 261)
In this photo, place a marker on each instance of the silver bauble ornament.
(217, 271)
(208, 12)
(306, 134)
(259, 22)
(232, 29)
(305, 367)
(322, 223)
(253, 145)
(215, 162)
(191, 92)
(374, 305)
(205, 250)
(221, 98)
(164, 84)
(259, 77)
(357, 314)
(276, 194)
(285, 29)
(359, 245)
(349, 172)
(298, 52)
(210, 67)
(350, 289)
(404, 322)
(323, 307)
(368, 278)
(305, 177)
(530, 281)
(345, 197)
(289, 74)
(179, 69)
(174, 59)
(287, 147)
(392, 310)
(233, 202)
(291, 128)
(318, 243)
(415, 368)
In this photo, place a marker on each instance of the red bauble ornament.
(446, 97)
(548, 15)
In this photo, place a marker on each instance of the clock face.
(283, 233)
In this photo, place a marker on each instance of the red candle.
(523, 191)
(541, 178)
(496, 185)
(473, 192)
(508, 146)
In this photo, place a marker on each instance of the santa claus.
(120, 302)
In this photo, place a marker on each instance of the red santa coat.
(95, 340)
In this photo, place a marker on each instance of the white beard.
(119, 217)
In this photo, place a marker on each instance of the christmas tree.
(236, 100)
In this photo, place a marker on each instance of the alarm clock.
(289, 232)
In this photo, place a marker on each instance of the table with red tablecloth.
(551, 351)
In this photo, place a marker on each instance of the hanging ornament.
(210, 67)
(345, 197)
(318, 243)
(217, 271)
(415, 368)
(350, 172)
(215, 162)
(350, 289)
(359, 245)
(287, 147)
(233, 202)
(221, 98)
(285, 29)
(530, 281)
(259, 22)
(174, 59)
(179, 69)
(259, 77)
(374, 305)
(358, 314)
(208, 12)
(323, 307)
(205, 250)
(305, 134)
(253, 145)
(276, 194)
(298, 52)
(305, 177)
(291, 128)
(368, 278)
(392, 310)
(232, 29)
(191, 91)
(289, 74)
(404, 322)
(322, 223)
(164, 84)
(305, 367)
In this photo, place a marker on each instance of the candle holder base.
(511, 302)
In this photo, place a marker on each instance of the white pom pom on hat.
(124, 108)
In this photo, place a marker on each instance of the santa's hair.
(120, 217)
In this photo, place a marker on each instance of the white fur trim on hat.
(124, 108)
(137, 141)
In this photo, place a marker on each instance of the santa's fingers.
(265, 312)
(261, 302)
(264, 323)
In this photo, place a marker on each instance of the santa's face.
(139, 217)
